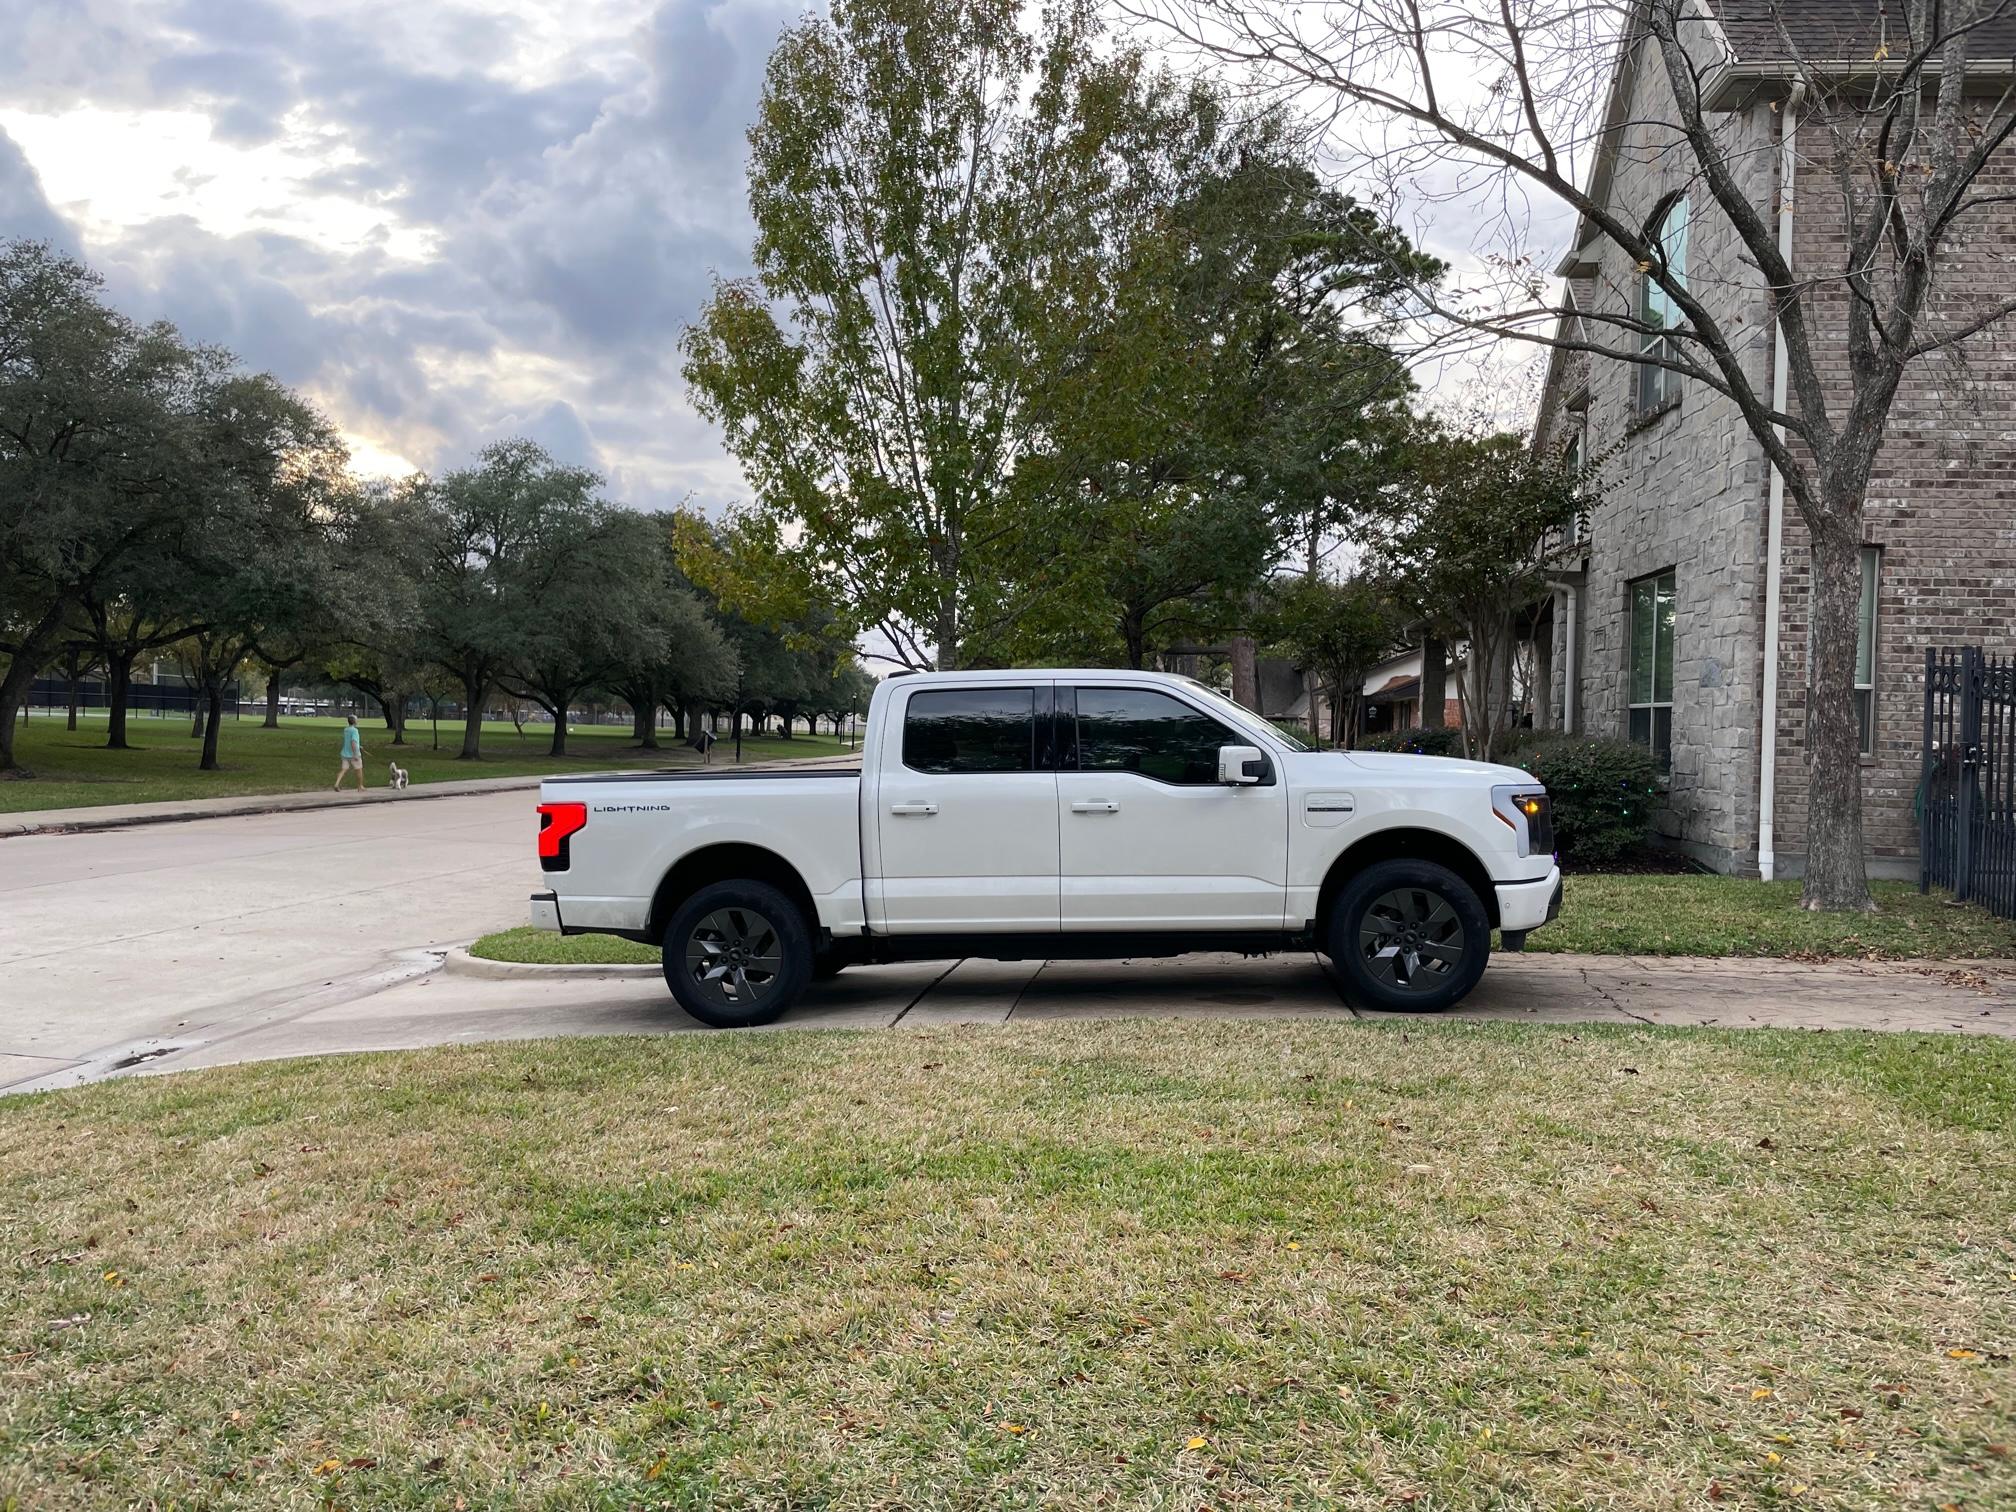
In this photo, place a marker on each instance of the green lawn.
(1153, 1265)
(75, 770)
(1631, 915)
(1715, 916)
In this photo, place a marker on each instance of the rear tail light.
(556, 822)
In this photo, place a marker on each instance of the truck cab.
(1054, 813)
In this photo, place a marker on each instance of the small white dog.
(398, 775)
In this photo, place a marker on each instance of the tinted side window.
(971, 730)
(1135, 730)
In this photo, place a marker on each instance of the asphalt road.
(180, 945)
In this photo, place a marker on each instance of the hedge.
(1603, 792)
(1446, 740)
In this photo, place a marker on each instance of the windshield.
(1245, 718)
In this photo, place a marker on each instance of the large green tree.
(98, 453)
(1337, 631)
(925, 176)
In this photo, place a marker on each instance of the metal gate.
(1967, 788)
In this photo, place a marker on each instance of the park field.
(74, 770)
(1134, 1265)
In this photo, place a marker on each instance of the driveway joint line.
(925, 991)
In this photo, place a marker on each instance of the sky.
(445, 221)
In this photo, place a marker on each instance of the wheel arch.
(1406, 844)
(723, 862)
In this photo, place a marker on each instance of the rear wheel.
(737, 954)
(1408, 937)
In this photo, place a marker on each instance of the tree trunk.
(213, 705)
(1434, 682)
(644, 724)
(948, 629)
(196, 717)
(559, 746)
(1245, 673)
(70, 669)
(473, 690)
(679, 723)
(1135, 634)
(272, 721)
(13, 691)
(1836, 873)
(118, 690)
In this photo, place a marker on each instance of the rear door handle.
(913, 808)
(1095, 806)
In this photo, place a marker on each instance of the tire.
(725, 989)
(1392, 906)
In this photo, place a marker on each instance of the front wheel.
(1408, 937)
(737, 954)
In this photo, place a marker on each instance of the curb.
(462, 963)
(12, 827)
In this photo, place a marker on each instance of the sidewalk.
(113, 816)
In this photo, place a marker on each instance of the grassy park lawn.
(1118, 1264)
(1601, 915)
(74, 770)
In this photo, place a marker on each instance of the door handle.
(1095, 806)
(913, 808)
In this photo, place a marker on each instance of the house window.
(1865, 650)
(1658, 386)
(1652, 665)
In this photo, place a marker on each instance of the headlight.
(1527, 813)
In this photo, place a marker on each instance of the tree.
(94, 438)
(1468, 545)
(1905, 118)
(479, 574)
(260, 564)
(1338, 631)
(592, 570)
(925, 177)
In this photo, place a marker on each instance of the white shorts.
(352, 761)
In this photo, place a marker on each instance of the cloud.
(24, 210)
(445, 223)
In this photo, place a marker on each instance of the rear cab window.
(960, 730)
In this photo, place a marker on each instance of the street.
(181, 945)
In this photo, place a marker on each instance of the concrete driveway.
(285, 934)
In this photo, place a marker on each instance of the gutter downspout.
(1774, 541)
(1571, 669)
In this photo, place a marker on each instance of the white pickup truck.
(1032, 814)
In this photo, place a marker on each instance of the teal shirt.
(353, 743)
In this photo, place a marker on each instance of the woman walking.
(352, 755)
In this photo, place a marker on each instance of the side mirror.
(1241, 766)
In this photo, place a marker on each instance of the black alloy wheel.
(1408, 937)
(737, 954)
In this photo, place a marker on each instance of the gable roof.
(1838, 31)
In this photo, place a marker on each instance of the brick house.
(1659, 628)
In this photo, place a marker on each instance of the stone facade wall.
(1687, 493)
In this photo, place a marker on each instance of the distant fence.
(1967, 789)
(53, 694)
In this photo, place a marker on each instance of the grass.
(74, 770)
(1600, 915)
(1734, 916)
(1168, 1265)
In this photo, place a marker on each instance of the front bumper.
(546, 911)
(1528, 905)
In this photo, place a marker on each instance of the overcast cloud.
(446, 222)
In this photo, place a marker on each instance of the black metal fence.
(1967, 789)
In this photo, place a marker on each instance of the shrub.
(1445, 741)
(1603, 793)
